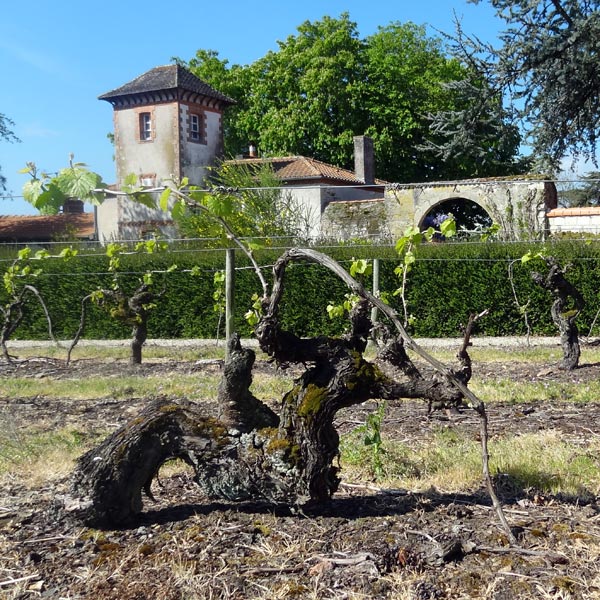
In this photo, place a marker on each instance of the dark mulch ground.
(364, 544)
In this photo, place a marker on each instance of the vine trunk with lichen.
(249, 450)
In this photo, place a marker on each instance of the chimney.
(72, 206)
(364, 160)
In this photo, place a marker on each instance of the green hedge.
(449, 280)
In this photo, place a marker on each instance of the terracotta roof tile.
(166, 78)
(45, 228)
(580, 211)
(301, 168)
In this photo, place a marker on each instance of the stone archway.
(469, 216)
(518, 206)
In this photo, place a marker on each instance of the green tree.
(413, 87)
(303, 98)
(547, 67)
(477, 136)
(325, 85)
(585, 193)
(7, 135)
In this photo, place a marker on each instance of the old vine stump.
(248, 451)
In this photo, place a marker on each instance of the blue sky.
(57, 57)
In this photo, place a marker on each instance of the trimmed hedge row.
(448, 281)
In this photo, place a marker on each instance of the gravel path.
(513, 341)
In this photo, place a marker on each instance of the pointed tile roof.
(168, 78)
(302, 168)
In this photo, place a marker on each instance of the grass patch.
(268, 388)
(450, 461)
(200, 386)
(509, 390)
(36, 458)
(97, 352)
(189, 386)
(542, 355)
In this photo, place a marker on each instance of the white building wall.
(119, 218)
(312, 202)
(196, 157)
(107, 220)
(578, 224)
(308, 202)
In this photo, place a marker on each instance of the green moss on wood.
(312, 400)
(366, 373)
(278, 445)
(212, 428)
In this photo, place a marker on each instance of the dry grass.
(509, 390)
(120, 351)
(35, 458)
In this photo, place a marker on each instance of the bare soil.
(366, 543)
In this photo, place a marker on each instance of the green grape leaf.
(130, 180)
(25, 253)
(77, 182)
(31, 190)
(448, 227)
(145, 199)
(163, 201)
(219, 205)
(178, 209)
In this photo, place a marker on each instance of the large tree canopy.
(325, 85)
(6, 134)
(548, 67)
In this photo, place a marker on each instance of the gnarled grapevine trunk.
(567, 305)
(248, 451)
(138, 315)
(13, 313)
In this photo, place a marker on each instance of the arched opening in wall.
(470, 217)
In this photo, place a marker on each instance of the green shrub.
(448, 281)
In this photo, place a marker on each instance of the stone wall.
(518, 206)
(355, 219)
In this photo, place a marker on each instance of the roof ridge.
(166, 77)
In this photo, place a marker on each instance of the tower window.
(145, 126)
(195, 128)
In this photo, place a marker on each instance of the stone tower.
(167, 124)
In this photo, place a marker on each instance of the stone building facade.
(167, 126)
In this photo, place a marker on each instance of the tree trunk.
(13, 314)
(138, 338)
(12, 317)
